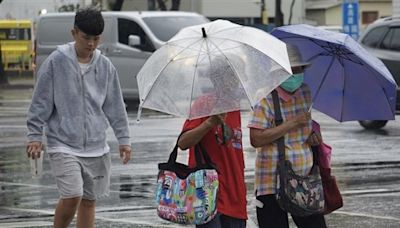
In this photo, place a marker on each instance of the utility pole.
(3, 76)
(278, 14)
(151, 5)
(264, 13)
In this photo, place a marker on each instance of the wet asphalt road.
(366, 164)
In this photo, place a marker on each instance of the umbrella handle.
(139, 113)
(309, 110)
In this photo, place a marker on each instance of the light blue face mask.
(293, 83)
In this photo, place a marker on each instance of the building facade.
(240, 11)
(30, 9)
(330, 12)
(248, 12)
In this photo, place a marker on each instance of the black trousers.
(224, 221)
(272, 216)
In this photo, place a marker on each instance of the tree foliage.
(68, 8)
(116, 5)
(175, 4)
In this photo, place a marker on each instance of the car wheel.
(373, 124)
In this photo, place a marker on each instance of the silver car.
(129, 38)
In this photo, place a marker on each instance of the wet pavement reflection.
(365, 163)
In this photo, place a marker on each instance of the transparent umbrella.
(212, 68)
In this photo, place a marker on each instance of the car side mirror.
(133, 40)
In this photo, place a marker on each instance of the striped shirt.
(297, 149)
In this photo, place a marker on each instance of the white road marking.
(367, 215)
(27, 185)
(26, 224)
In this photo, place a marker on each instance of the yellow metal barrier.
(16, 45)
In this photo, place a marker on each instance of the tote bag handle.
(201, 156)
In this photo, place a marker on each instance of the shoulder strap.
(278, 121)
(173, 155)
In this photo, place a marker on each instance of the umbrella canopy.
(212, 68)
(346, 81)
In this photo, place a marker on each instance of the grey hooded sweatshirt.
(76, 109)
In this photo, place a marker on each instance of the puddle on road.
(131, 185)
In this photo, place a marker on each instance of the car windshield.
(164, 28)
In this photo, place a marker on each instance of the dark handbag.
(296, 194)
(187, 195)
(333, 198)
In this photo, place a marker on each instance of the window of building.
(368, 17)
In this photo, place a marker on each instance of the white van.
(129, 38)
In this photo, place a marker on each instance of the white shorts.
(86, 177)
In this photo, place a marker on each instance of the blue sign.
(350, 18)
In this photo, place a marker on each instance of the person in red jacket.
(221, 137)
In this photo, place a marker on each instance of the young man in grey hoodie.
(76, 97)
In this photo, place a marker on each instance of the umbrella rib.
(367, 66)
(301, 38)
(330, 48)
(344, 87)
(387, 100)
(236, 74)
(322, 82)
(162, 69)
(339, 51)
(342, 53)
(223, 41)
(346, 57)
(224, 30)
(233, 40)
(210, 34)
(210, 51)
(194, 75)
(341, 61)
(188, 47)
(317, 55)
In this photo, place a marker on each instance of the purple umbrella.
(347, 83)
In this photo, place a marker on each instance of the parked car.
(382, 39)
(129, 38)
